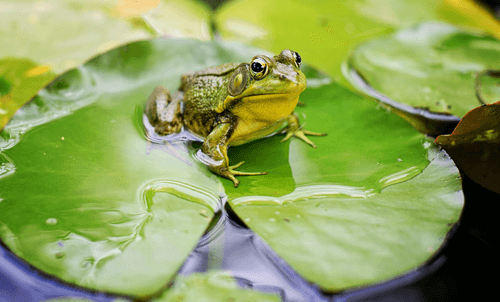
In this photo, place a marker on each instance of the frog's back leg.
(164, 111)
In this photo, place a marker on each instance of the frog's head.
(265, 76)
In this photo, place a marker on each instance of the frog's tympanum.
(232, 104)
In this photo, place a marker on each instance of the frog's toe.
(287, 136)
(237, 165)
(232, 170)
(307, 132)
(239, 173)
(231, 173)
(300, 134)
(236, 182)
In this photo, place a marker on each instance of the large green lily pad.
(356, 210)
(432, 66)
(83, 185)
(326, 31)
(56, 36)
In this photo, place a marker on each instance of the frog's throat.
(265, 108)
(282, 102)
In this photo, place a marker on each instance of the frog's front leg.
(164, 111)
(294, 129)
(214, 154)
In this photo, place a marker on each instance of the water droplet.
(399, 176)
(51, 221)
(247, 219)
(87, 263)
(272, 220)
(277, 213)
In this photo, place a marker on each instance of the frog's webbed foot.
(230, 173)
(214, 154)
(294, 129)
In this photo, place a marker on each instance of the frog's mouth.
(295, 88)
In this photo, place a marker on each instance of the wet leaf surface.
(60, 35)
(20, 79)
(212, 287)
(432, 66)
(473, 145)
(95, 198)
(326, 31)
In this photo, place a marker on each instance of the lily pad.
(358, 211)
(20, 79)
(60, 35)
(212, 287)
(326, 31)
(74, 31)
(431, 67)
(85, 195)
(473, 145)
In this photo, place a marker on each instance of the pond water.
(249, 259)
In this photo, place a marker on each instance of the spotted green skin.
(232, 104)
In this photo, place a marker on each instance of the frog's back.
(204, 92)
(217, 70)
(204, 89)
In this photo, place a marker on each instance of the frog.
(232, 104)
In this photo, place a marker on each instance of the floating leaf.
(212, 287)
(473, 145)
(431, 67)
(92, 194)
(358, 211)
(60, 35)
(180, 18)
(85, 196)
(20, 79)
(326, 31)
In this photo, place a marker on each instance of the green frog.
(231, 104)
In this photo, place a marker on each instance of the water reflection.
(250, 260)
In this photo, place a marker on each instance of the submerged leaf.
(212, 287)
(473, 145)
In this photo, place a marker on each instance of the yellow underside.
(260, 116)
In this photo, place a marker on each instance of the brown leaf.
(474, 145)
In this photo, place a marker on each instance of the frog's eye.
(297, 58)
(258, 68)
